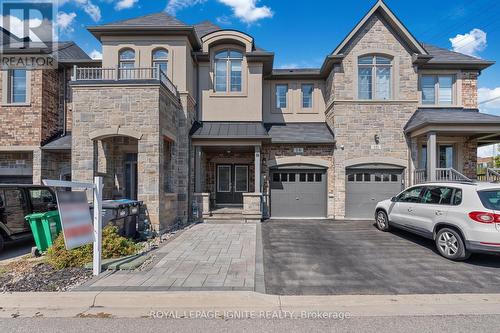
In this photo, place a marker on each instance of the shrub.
(113, 246)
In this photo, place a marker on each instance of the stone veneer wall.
(470, 159)
(146, 110)
(356, 122)
(324, 152)
(469, 89)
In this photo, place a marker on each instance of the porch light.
(376, 137)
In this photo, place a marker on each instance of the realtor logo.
(27, 32)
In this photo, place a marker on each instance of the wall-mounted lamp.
(376, 137)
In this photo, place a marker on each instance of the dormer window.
(160, 59)
(374, 77)
(228, 71)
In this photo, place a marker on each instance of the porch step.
(227, 221)
(225, 216)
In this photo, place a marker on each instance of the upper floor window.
(17, 84)
(374, 77)
(160, 60)
(127, 58)
(281, 91)
(307, 91)
(437, 89)
(228, 71)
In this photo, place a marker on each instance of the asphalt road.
(361, 324)
(307, 257)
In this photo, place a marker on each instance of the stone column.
(257, 169)
(37, 166)
(197, 169)
(431, 156)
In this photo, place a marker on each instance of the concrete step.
(226, 216)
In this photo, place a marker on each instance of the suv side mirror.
(394, 199)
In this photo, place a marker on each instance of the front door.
(231, 183)
(446, 156)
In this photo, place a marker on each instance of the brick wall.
(470, 159)
(469, 89)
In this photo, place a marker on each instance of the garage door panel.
(365, 188)
(298, 193)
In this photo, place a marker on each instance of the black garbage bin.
(122, 213)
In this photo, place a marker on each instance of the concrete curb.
(142, 304)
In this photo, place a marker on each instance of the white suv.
(461, 218)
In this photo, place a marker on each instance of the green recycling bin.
(45, 228)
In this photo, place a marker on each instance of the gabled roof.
(381, 8)
(452, 116)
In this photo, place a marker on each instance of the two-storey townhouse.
(194, 116)
(35, 111)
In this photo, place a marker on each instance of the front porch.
(228, 182)
(444, 144)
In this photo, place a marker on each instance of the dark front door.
(231, 183)
(131, 176)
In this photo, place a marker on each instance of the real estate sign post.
(75, 216)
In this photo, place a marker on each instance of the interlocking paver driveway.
(204, 257)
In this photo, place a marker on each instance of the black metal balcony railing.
(123, 74)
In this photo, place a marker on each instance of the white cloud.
(223, 20)
(492, 107)
(125, 4)
(288, 66)
(64, 21)
(247, 10)
(491, 95)
(16, 26)
(173, 6)
(87, 6)
(470, 43)
(96, 55)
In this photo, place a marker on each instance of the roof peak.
(152, 19)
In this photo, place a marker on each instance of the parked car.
(462, 218)
(17, 201)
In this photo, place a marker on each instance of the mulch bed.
(36, 275)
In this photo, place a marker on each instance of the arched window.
(374, 77)
(126, 63)
(160, 60)
(228, 71)
(127, 58)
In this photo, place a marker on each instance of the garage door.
(16, 179)
(298, 193)
(366, 187)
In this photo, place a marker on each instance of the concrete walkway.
(204, 257)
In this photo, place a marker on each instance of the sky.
(302, 33)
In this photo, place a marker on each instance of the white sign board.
(76, 222)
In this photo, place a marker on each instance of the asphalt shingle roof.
(61, 143)
(300, 133)
(440, 55)
(205, 28)
(161, 19)
(452, 116)
(228, 130)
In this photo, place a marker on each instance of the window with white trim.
(126, 63)
(437, 89)
(374, 77)
(281, 92)
(228, 71)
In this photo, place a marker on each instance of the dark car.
(17, 201)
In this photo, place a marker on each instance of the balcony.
(123, 75)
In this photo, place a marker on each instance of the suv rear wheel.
(451, 245)
(382, 221)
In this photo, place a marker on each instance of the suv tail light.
(484, 217)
